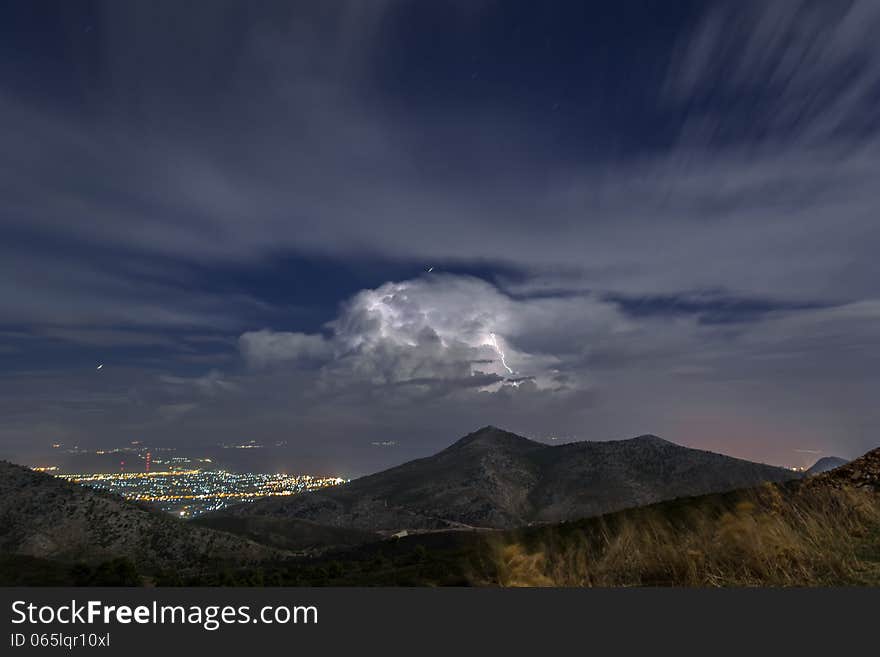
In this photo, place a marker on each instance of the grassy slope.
(770, 536)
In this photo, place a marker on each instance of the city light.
(190, 493)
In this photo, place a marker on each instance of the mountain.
(496, 479)
(825, 464)
(46, 518)
(812, 531)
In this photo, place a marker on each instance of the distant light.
(100, 366)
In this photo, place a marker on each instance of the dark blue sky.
(664, 213)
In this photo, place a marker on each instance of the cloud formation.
(443, 328)
(266, 347)
(766, 185)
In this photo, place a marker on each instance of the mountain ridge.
(493, 478)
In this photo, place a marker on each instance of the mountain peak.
(489, 428)
(490, 435)
(650, 438)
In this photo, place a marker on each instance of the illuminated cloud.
(444, 328)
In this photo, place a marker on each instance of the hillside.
(495, 479)
(863, 473)
(294, 534)
(45, 518)
(820, 531)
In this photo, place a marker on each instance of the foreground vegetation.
(771, 536)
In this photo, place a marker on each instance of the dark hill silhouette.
(825, 464)
(496, 479)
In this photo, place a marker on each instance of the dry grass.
(770, 536)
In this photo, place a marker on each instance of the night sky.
(663, 214)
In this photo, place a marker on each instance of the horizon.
(192, 488)
(194, 464)
(349, 233)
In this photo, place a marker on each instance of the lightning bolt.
(493, 341)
